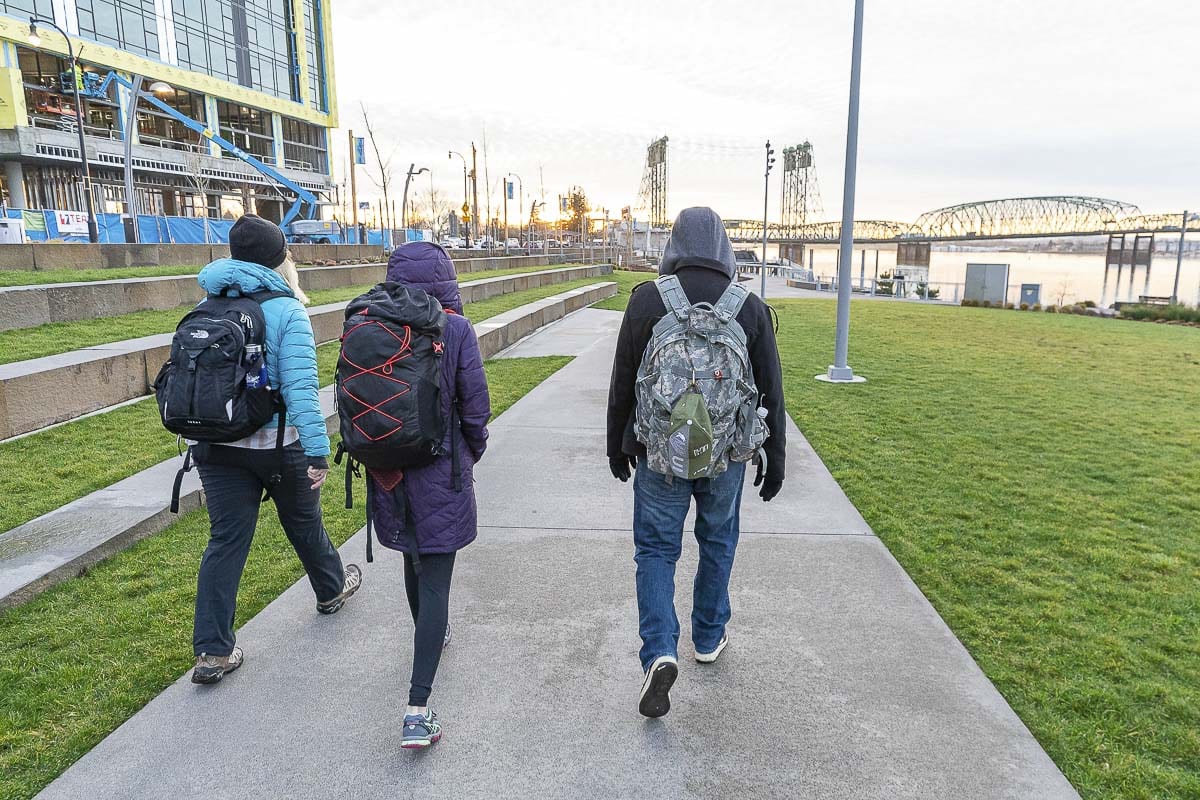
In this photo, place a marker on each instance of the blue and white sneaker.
(656, 689)
(421, 731)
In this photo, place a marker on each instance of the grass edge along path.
(54, 338)
(90, 453)
(82, 657)
(1036, 476)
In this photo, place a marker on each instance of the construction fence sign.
(71, 222)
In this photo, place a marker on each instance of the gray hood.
(698, 239)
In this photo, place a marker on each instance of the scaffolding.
(653, 194)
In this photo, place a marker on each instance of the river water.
(1064, 277)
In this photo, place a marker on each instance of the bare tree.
(194, 161)
(384, 182)
(437, 210)
(1062, 290)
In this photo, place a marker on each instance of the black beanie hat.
(258, 241)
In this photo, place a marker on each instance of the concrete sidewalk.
(840, 681)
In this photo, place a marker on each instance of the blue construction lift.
(299, 223)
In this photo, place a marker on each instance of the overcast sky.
(962, 99)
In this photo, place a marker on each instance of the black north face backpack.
(202, 391)
(389, 390)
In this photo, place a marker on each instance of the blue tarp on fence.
(41, 226)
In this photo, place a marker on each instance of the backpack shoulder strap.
(731, 302)
(673, 296)
(262, 297)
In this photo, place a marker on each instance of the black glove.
(318, 462)
(770, 487)
(622, 467)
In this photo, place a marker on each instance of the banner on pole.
(508, 189)
(360, 150)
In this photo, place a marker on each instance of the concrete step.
(58, 545)
(43, 391)
(38, 304)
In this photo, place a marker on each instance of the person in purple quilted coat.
(440, 498)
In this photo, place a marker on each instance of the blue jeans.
(659, 512)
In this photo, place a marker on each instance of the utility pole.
(840, 371)
(766, 194)
(474, 193)
(506, 184)
(354, 185)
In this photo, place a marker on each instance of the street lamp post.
(840, 371)
(466, 198)
(520, 204)
(404, 202)
(86, 174)
(766, 190)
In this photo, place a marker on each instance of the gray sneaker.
(349, 587)
(210, 669)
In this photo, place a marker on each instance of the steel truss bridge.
(1014, 218)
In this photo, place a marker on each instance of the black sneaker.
(352, 584)
(421, 731)
(656, 690)
(210, 669)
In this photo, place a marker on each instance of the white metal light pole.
(840, 371)
(766, 194)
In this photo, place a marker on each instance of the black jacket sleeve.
(768, 376)
(644, 310)
(621, 387)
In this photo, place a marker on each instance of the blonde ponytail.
(287, 271)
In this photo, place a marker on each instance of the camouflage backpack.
(697, 405)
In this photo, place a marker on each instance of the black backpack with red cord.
(389, 388)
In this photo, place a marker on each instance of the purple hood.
(424, 265)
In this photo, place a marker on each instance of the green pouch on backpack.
(690, 440)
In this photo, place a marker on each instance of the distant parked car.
(512, 243)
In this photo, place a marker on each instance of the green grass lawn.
(1038, 477)
(62, 337)
(84, 656)
(626, 281)
(23, 277)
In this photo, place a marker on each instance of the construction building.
(258, 72)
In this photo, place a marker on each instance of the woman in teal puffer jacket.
(235, 475)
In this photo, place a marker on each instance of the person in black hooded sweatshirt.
(700, 255)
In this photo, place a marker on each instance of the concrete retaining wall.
(43, 391)
(28, 306)
(507, 329)
(63, 543)
(62, 255)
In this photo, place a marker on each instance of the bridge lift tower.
(653, 194)
(801, 196)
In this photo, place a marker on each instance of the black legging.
(429, 601)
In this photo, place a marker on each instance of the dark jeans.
(233, 479)
(429, 601)
(659, 512)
